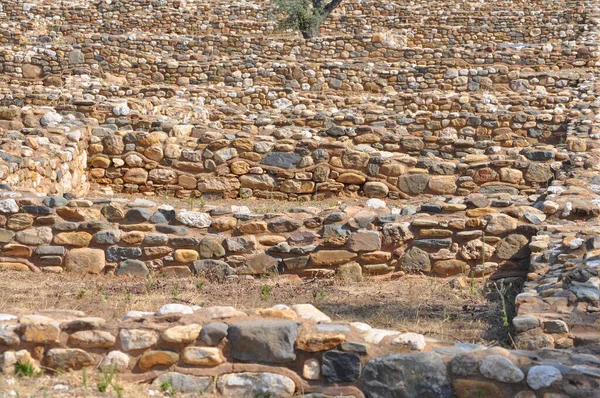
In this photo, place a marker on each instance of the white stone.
(136, 339)
(414, 341)
(176, 309)
(138, 202)
(363, 327)
(194, 219)
(374, 336)
(242, 385)
(220, 312)
(50, 118)
(501, 369)
(575, 243)
(375, 203)
(121, 110)
(308, 311)
(117, 359)
(542, 376)
(311, 369)
(9, 206)
(7, 317)
(240, 209)
(137, 314)
(283, 103)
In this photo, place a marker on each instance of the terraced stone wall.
(284, 352)
(294, 164)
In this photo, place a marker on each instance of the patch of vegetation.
(167, 388)
(108, 378)
(25, 369)
(305, 15)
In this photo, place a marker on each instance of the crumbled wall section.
(283, 351)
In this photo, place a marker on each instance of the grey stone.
(184, 242)
(212, 333)
(499, 368)
(137, 215)
(155, 239)
(50, 251)
(54, 201)
(132, 267)
(173, 229)
(212, 269)
(94, 225)
(336, 231)
(416, 260)
(336, 216)
(555, 326)
(248, 385)
(259, 263)
(285, 160)
(433, 243)
(263, 341)
(108, 237)
(406, 375)
(117, 253)
(240, 244)
(358, 348)
(340, 367)
(76, 57)
(523, 323)
(210, 247)
(281, 225)
(185, 383)
(413, 183)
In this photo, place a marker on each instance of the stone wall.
(285, 352)
(477, 234)
(43, 151)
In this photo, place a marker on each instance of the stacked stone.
(43, 151)
(293, 164)
(284, 351)
(477, 234)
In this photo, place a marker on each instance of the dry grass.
(413, 303)
(70, 385)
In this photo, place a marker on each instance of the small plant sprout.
(167, 388)
(265, 292)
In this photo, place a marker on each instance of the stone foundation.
(284, 351)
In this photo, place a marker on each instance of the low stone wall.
(476, 235)
(284, 352)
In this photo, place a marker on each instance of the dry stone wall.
(285, 351)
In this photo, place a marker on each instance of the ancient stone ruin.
(440, 138)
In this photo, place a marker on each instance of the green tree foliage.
(305, 15)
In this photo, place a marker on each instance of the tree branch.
(330, 7)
